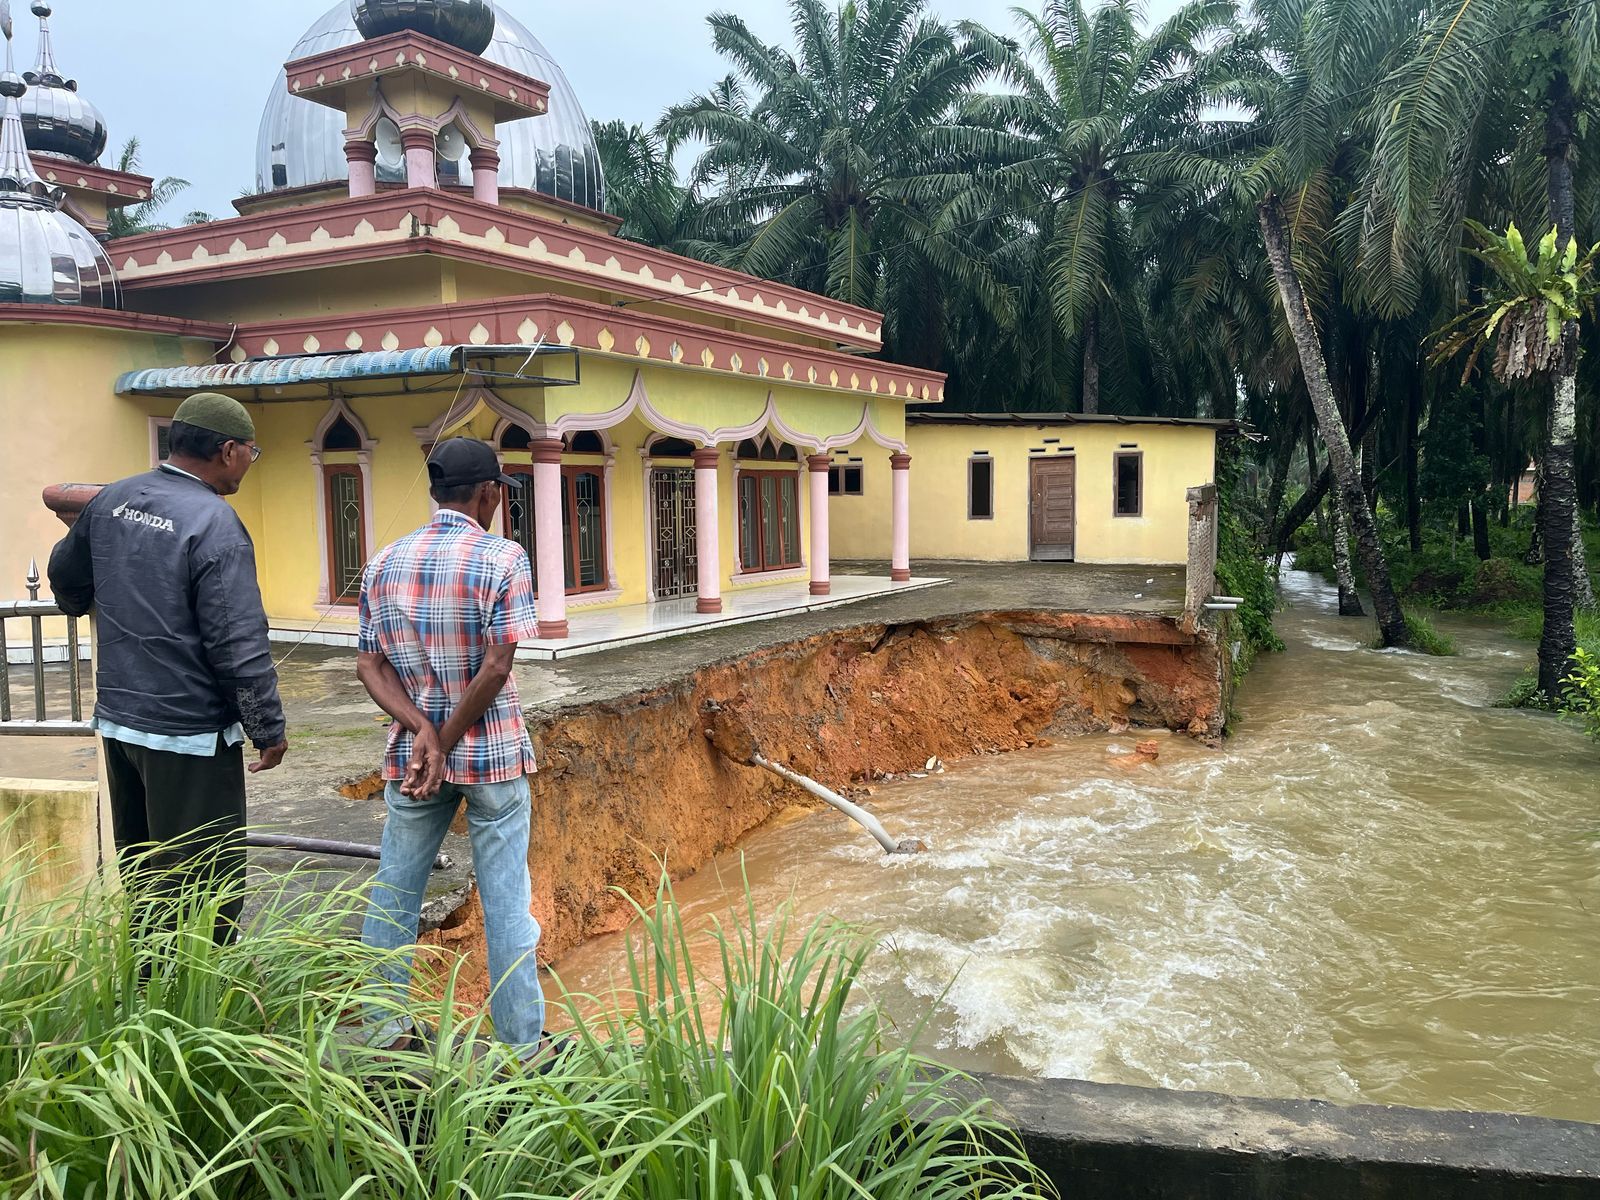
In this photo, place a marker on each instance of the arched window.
(767, 449)
(341, 435)
(583, 528)
(342, 456)
(583, 522)
(515, 438)
(586, 441)
(671, 447)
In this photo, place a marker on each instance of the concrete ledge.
(1105, 1140)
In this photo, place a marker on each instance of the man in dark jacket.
(185, 669)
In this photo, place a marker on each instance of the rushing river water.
(1382, 889)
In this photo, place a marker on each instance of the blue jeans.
(497, 816)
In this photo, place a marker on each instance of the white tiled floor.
(607, 629)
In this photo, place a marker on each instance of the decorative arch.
(458, 115)
(769, 422)
(663, 445)
(472, 402)
(345, 524)
(368, 129)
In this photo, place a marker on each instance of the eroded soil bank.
(629, 783)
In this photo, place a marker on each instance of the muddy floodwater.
(1382, 889)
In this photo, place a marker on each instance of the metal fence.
(36, 611)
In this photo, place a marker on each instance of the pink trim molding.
(324, 77)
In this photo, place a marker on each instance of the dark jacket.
(182, 635)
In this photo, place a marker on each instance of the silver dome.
(301, 143)
(55, 118)
(48, 258)
(45, 256)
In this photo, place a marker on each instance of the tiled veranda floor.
(607, 629)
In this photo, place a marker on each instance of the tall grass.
(140, 1060)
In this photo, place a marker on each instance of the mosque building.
(428, 254)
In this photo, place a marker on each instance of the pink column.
(485, 175)
(548, 536)
(819, 464)
(362, 158)
(422, 171)
(707, 530)
(900, 559)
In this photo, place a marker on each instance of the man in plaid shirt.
(442, 611)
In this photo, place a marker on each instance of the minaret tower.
(420, 102)
(45, 256)
(55, 118)
(66, 135)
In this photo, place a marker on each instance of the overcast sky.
(189, 78)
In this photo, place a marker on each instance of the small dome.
(301, 143)
(55, 118)
(465, 24)
(48, 258)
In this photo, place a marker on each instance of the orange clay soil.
(627, 784)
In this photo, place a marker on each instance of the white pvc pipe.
(854, 811)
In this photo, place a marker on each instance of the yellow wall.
(279, 501)
(63, 424)
(1176, 458)
(859, 526)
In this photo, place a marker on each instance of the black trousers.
(178, 819)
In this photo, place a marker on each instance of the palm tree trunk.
(1413, 488)
(1314, 474)
(1558, 496)
(1582, 581)
(1534, 555)
(1346, 474)
(1091, 363)
(1343, 571)
(1282, 457)
(1480, 530)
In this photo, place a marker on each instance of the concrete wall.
(1109, 1142)
(1175, 458)
(51, 828)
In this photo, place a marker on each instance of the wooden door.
(1052, 508)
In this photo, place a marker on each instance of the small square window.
(844, 481)
(1129, 484)
(160, 440)
(980, 489)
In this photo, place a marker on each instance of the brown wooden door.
(1052, 508)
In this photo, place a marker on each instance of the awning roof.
(303, 377)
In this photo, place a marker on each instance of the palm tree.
(1319, 61)
(1476, 62)
(642, 187)
(1091, 133)
(141, 218)
(835, 173)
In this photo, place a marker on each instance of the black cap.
(461, 462)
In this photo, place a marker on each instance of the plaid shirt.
(432, 603)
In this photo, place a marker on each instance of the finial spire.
(45, 70)
(17, 176)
